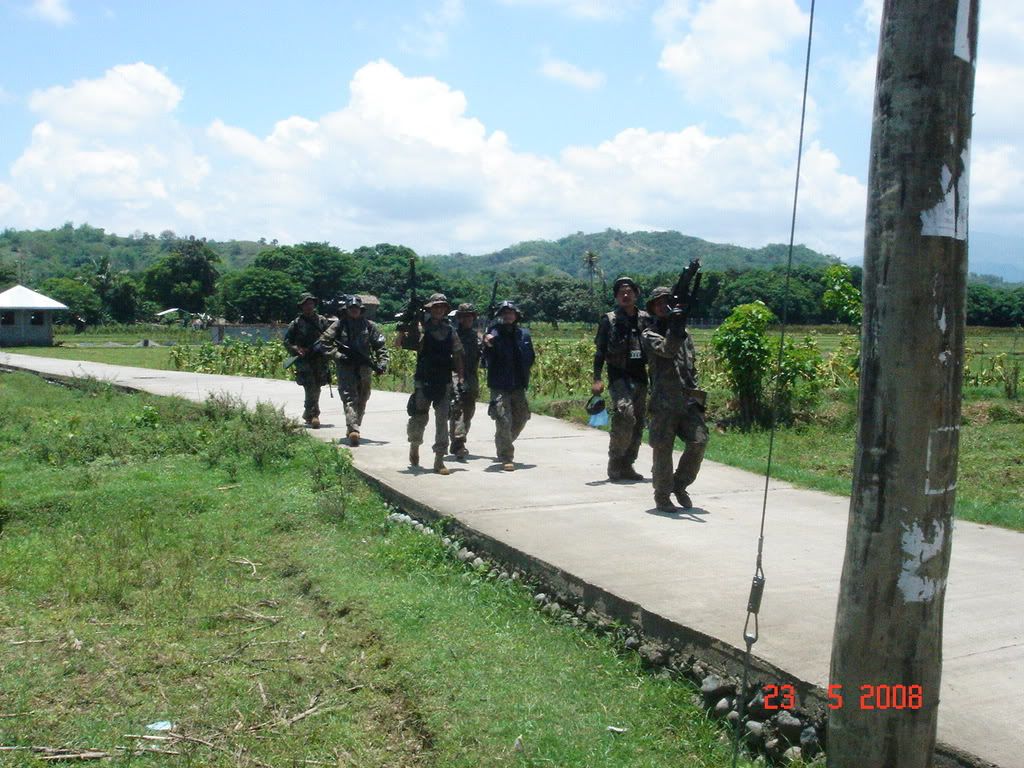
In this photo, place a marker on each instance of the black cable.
(757, 587)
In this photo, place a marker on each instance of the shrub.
(742, 344)
(745, 355)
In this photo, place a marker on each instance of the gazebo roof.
(20, 297)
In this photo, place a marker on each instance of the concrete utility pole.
(887, 649)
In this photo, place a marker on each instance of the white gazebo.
(26, 318)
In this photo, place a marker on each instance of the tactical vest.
(435, 361)
(624, 346)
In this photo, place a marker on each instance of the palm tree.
(590, 261)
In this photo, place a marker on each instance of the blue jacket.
(509, 358)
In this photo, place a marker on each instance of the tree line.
(198, 276)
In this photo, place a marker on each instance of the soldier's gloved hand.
(598, 387)
(677, 321)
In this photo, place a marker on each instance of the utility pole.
(888, 635)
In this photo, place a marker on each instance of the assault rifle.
(684, 298)
(335, 307)
(483, 321)
(352, 355)
(316, 349)
(408, 319)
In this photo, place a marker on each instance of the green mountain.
(36, 255)
(625, 253)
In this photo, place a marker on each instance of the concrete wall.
(22, 333)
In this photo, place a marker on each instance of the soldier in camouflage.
(618, 344)
(508, 356)
(464, 402)
(358, 348)
(311, 368)
(677, 403)
(438, 356)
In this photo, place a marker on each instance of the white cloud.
(119, 102)
(598, 10)
(670, 15)
(107, 149)
(870, 12)
(564, 72)
(52, 11)
(428, 36)
(404, 160)
(732, 56)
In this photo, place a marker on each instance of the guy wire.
(758, 571)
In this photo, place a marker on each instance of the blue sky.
(465, 124)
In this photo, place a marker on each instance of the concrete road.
(692, 569)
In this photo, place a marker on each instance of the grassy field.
(167, 561)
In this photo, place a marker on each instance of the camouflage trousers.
(418, 421)
(627, 408)
(311, 404)
(686, 423)
(510, 410)
(462, 412)
(354, 388)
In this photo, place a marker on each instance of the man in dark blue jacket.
(508, 356)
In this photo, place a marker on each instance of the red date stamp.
(881, 697)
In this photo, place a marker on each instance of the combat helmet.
(508, 305)
(625, 281)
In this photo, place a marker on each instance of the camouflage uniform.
(508, 358)
(464, 407)
(619, 344)
(439, 354)
(367, 353)
(677, 409)
(311, 371)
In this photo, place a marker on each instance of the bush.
(742, 344)
(745, 356)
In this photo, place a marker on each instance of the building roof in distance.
(20, 297)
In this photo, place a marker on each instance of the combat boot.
(353, 438)
(508, 466)
(664, 504)
(684, 498)
(439, 466)
(414, 455)
(628, 473)
(614, 469)
(315, 422)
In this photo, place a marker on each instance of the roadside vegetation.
(216, 569)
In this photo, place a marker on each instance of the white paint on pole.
(942, 320)
(920, 546)
(962, 37)
(948, 218)
(945, 356)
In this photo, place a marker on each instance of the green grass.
(139, 357)
(166, 561)
(820, 455)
